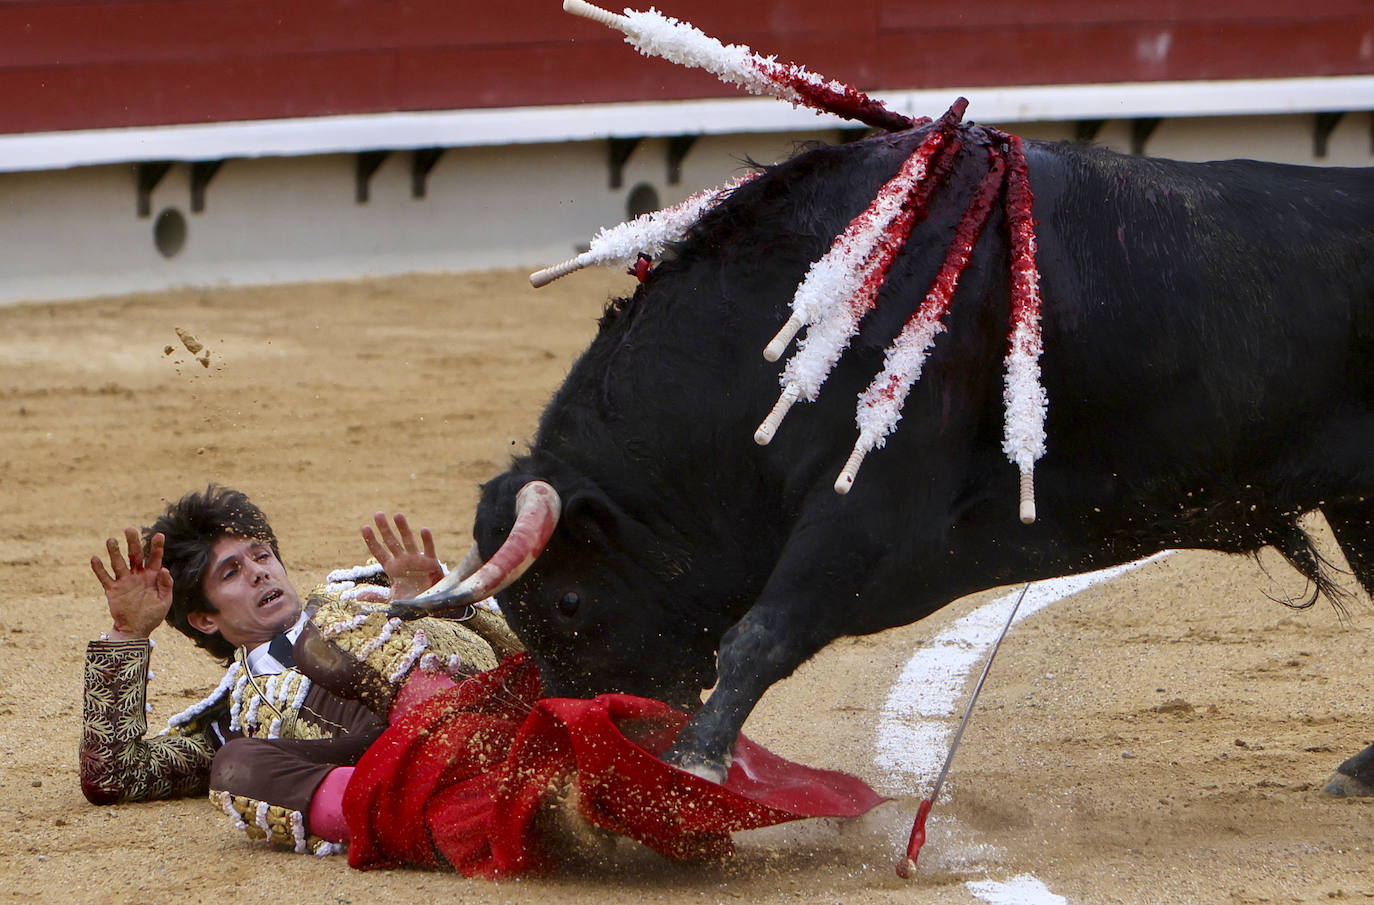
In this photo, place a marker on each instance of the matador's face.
(248, 587)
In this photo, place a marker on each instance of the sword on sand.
(906, 867)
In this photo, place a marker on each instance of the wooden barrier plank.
(997, 14)
(81, 64)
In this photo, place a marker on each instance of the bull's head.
(578, 582)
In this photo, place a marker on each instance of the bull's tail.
(1295, 545)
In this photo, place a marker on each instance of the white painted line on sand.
(915, 727)
(913, 732)
(1022, 890)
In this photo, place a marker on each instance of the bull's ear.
(592, 518)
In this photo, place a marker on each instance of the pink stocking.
(326, 817)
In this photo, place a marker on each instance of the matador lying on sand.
(273, 747)
(425, 742)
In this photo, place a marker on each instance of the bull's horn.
(537, 508)
(471, 562)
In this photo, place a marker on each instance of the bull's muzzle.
(537, 508)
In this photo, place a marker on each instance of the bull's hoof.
(709, 772)
(1354, 778)
(1343, 786)
(699, 766)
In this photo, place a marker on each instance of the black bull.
(1208, 359)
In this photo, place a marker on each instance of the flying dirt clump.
(194, 346)
(188, 340)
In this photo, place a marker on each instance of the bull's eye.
(570, 603)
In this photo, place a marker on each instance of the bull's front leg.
(763, 647)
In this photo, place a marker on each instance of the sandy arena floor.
(1161, 738)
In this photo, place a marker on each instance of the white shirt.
(262, 663)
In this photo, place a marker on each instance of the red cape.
(460, 779)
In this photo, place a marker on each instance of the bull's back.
(1181, 301)
(1225, 302)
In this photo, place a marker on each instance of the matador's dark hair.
(191, 526)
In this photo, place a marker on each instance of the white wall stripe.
(586, 122)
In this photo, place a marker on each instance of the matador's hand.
(412, 568)
(139, 592)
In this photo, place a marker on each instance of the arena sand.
(1161, 738)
